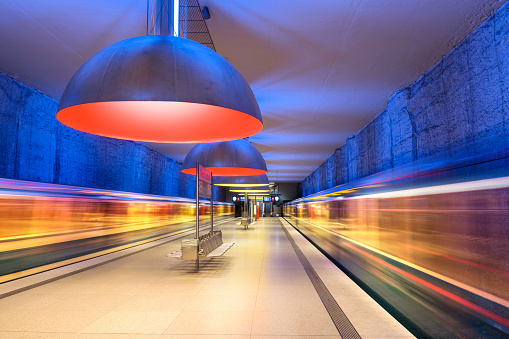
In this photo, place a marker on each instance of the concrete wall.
(289, 191)
(34, 146)
(463, 98)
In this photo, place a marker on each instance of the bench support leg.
(197, 265)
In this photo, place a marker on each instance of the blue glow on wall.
(34, 146)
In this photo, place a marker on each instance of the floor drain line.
(339, 318)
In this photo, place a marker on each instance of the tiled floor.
(258, 289)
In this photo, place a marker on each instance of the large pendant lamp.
(228, 158)
(160, 88)
(242, 181)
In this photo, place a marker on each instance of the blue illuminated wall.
(35, 146)
(463, 98)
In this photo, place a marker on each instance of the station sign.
(241, 198)
(204, 174)
(204, 182)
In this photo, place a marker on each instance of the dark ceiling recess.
(196, 29)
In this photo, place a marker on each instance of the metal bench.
(209, 245)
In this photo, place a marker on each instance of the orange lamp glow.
(160, 121)
(228, 171)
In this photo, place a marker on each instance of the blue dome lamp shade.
(160, 88)
(242, 181)
(228, 158)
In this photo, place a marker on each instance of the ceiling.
(320, 70)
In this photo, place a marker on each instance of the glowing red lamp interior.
(161, 121)
(227, 171)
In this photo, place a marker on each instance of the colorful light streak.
(455, 259)
(438, 276)
(490, 315)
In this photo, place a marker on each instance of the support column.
(163, 17)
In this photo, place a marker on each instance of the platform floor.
(258, 289)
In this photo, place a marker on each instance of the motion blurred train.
(429, 241)
(43, 226)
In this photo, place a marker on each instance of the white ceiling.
(320, 69)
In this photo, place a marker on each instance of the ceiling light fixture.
(206, 13)
(160, 88)
(228, 158)
(258, 189)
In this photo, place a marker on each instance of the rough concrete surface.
(35, 146)
(463, 98)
